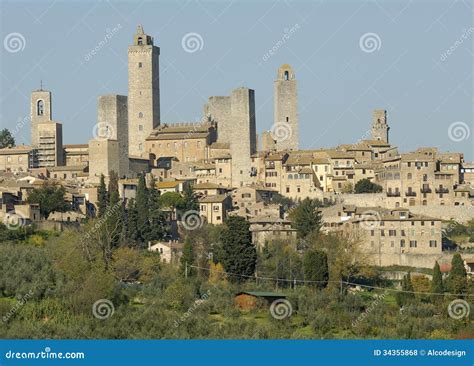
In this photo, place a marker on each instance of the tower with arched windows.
(285, 129)
(41, 111)
(143, 91)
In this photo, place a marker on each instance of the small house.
(248, 300)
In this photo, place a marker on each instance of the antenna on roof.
(41, 84)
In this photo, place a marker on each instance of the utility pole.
(186, 270)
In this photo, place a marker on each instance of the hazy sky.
(413, 58)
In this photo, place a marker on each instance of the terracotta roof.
(164, 185)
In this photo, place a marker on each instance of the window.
(140, 115)
(422, 223)
(413, 244)
(140, 127)
(287, 189)
(432, 223)
(215, 208)
(402, 243)
(40, 108)
(409, 176)
(203, 207)
(372, 232)
(298, 189)
(140, 147)
(392, 233)
(402, 233)
(382, 232)
(433, 244)
(140, 65)
(287, 75)
(140, 41)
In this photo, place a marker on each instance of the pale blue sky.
(424, 90)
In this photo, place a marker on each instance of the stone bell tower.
(143, 91)
(285, 128)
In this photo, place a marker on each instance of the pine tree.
(102, 197)
(457, 279)
(237, 253)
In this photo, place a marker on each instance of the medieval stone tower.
(143, 91)
(41, 111)
(379, 125)
(285, 129)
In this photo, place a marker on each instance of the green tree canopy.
(457, 279)
(306, 217)
(6, 139)
(50, 197)
(237, 253)
(366, 186)
(315, 265)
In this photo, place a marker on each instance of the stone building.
(41, 110)
(387, 237)
(286, 109)
(380, 126)
(236, 126)
(46, 135)
(76, 154)
(268, 229)
(143, 91)
(214, 209)
(188, 142)
(15, 159)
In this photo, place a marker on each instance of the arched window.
(40, 108)
(290, 176)
(140, 41)
(287, 75)
(140, 115)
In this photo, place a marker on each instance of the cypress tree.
(142, 206)
(237, 253)
(315, 266)
(102, 197)
(457, 280)
(187, 259)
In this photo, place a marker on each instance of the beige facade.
(214, 208)
(76, 154)
(49, 150)
(15, 159)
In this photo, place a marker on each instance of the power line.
(344, 282)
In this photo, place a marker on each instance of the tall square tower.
(285, 128)
(40, 111)
(143, 91)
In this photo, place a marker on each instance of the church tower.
(41, 111)
(143, 91)
(285, 128)
(379, 125)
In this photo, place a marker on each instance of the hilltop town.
(398, 205)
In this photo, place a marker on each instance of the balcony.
(426, 190)
(393, 194)
(442, 190)
(410, 194)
